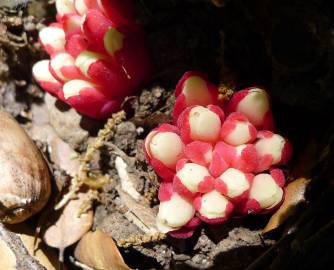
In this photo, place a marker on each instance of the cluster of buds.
(217, 160)
(98, 55)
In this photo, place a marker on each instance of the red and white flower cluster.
(98, 55)
(218, 159)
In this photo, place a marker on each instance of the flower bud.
(193, 89)
(266, 192)
(192, 178)
(63, 68)
(174, 213)
(272, 149)
(85, 97)
(44, 77)
(254, 104)
(163, 148)
(52, 39)
(237, 130)
(71, 24)
(198, 123)
(234, 184)
(213, 207)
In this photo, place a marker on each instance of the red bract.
(98, 55)
(213, 168)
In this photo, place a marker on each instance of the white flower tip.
(240, 134)
(85, 59)
(254, 106)
(59, 61)
(80, 6)
(213, 205)
(42, 73)
(204, 124)
(65, 7)
(53, 37)
(191, 175)
(174, 213)
(235, 181)
(265, 191)
(271, 146)
(73, 87)
(167, 147)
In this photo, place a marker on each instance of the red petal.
(165, 191)
(218, 165)
(75, 44)
(206, 185)
(248, 160)
(199, 152)
(278, 176)
(182, 189)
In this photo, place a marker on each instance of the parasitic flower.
(97, 55)
(218, 160)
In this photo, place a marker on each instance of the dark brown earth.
(285, 46)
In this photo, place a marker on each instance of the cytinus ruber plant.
(217, 160)
(98, 55)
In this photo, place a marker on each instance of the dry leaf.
(294, 194)
(45, 257)
(64, 156)
(69, 226)
(99, 251)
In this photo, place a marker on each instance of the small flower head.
(95, 47)
(219, 166)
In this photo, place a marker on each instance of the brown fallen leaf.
(69, 227)
(294, 194)
(99, 251)
(44, 256)
(64, 156)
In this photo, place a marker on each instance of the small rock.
(70, 126)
